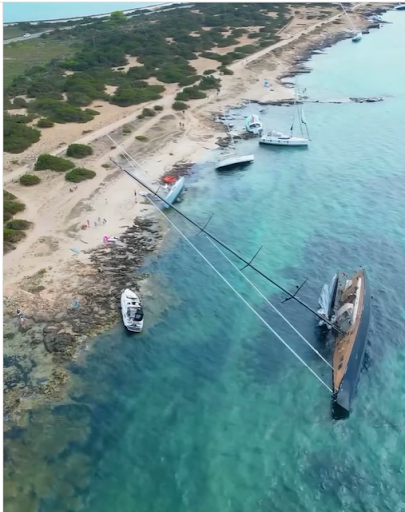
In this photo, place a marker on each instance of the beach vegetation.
(225, 70)
(148, 112)
(17, 136)
(158, 108)
(18, 224)
(179, 105)
(53, 163)
(13, 207)
(209, 71)
(209, 82)
(8, 196)
(141, 138)
(106, 166)
(65, 71)
(79, 150)
(29, 179)
(79, 174)
(126, 129)
(190, 93)
(12, 236)
(45, 123)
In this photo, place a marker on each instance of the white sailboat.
(356, 34)
(132, 312)
(253, 124)
(276, 138)
(232, 158)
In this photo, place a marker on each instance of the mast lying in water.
(291, 296)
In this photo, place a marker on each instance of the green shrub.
(79, 150)
(13, 207)
(141, 138)
(29, 179)
(226, 71)
(158, 108)
(209, 71)
(106, 166)
(148, 112)
(53, 163)
(19, 103)
(45, 123)
(17, 136)
(18, 224)
(79, 174)
(191, 93)
(179, 105)
(209, 82)
(126, 129)
(8, 196)
(13, 235)
(7, 216)
(61, 111)
(189, 80)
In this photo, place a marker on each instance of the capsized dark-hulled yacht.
(346, 302)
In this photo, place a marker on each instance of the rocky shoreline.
(58, 326)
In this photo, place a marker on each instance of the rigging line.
(240, 296)
(222, 244)
(270, 304)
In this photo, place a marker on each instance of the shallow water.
(206, 410)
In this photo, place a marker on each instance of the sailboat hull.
(234, 161)
(287, 141)
(342, 398)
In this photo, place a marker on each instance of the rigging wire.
(270, 304)
(240, 296)
(217, 240)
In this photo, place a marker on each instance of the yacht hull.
(292, 141)
(174, 192)
(233, 162)
(342, 398)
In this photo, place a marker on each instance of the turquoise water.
(206, 410)
(40, 11)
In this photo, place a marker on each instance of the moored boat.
(132, 311)
(347, 303)
(275, 138)
(173, 192)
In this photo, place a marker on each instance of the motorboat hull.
(234, 161)
(132, 326)
(174, 193)
(290, 141)
(342, 398)
(357, 37)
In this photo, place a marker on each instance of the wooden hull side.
(344, 394)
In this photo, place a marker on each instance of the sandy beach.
(58, 262)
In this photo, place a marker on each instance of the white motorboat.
(173, 192)
(276, 138)
(357, 37)
(234, 160)
(356, 34)
(132, 312)
(253, 124)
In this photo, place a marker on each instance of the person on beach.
(99, 220)
(104, 221)
(135, 196)
(88, 223)
(95, 223)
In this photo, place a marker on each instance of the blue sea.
(206, 410)
(41, 11)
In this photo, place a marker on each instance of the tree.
(118, 17)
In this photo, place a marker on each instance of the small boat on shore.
(346, 302)
(356, 34)
(400, 7)
(233, 159)
(173, 191)
(253, 124)
(131, 310)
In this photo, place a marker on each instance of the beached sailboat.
(232, 159)
(356, 34)
(346, 303)
(276, 138)
(131, 310)
(253, 124)
(173, 191)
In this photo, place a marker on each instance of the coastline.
(55, 331)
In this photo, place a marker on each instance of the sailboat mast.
(222, 244)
